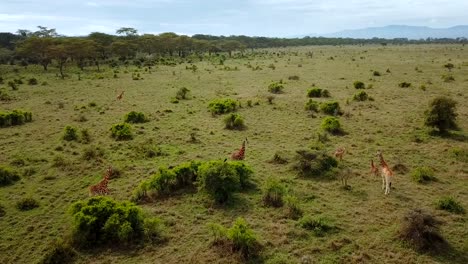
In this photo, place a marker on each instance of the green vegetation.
(449, 204)
(317, 92)
(135, 117)
(122, 131)
(315, 164)
(359, 85)
(330, 108)
(222, 106)
(273, 194)
(361, 96)
(318, 225)
(8, 176)
(275, 88)
(294, 210)
(182, 93)
(331, 124)
(14, 118)
(26, 204)
(423, 175)
(234, 121)
(70, 133)
(404, 84)
(441, 114)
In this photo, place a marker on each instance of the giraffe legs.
(388, 184)
(383, 182)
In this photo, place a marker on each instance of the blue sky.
(281, 18)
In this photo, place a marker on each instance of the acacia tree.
(60, 52)
(37, 49)
(81, 50)
(103, 43)
(127, 31)
(441, 114)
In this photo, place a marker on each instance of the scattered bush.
(275, 88)
(93, 153)
(460, 154)
(448, 78)
(270, 98)
(61, 252)
(423, 175)
(420, 231)
(102, 220)
(85, 136)
(315, 164)
(317, 92)
(330, 108)
(239, 237)
(14, 118)
(222, 106)
(449, 66)
(319, 225)
(376, 73)
(404, 85)
(293, 78)
(360, 96)
(278, 159)
(33, 81)
(122, 131)
(182, 93)
(4, 96)
(325, 93)
(294, 210)
(332, 125)
(312, 105)
(449, 204)
(135, 117)
(12, 85)
(27, 204)
(441, 114)
(7, 176)
(70, 133)
(234, 121)
(273, 194)
(359, 85)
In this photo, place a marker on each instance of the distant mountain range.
(400, 31)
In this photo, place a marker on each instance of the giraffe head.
(245, 141)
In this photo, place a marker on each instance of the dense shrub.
(449, 204)
(315, 164)
(360, 96)
(14, 118)
(239, 237)
(404, 85)
(294, 210)
(243, 171)
(441, 114)
(7, 176)
(135, 117)
(420, 231)
(273, 194)
(359, 85)
(182, 93)
(318, 225)
(32, 81)
(275, 88)
(222, 106)
(122, 131)
(70, 133)
(26, 204)
(102, 220)
(331, 124)
(330, 108)
(423, 175)
(234, 121)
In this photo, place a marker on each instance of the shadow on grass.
(453, 135)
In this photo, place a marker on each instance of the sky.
(270, 18)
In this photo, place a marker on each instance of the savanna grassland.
(56, 172)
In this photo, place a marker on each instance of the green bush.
(314, 92)
(234, 121)
(330, 108)
(135, 117)
(441, 114)
(449, 204)
(315, 164)
(423, 175)
(325, 93)
(294, 210)
(26, 204)
(312, 105)
(404, 85)
(122, 131)
(14, 118)
(32, 81)
(360, 96)
(7, 176)
(70, 133)
(359, 85)
(222, 106)
(332, 125)
(102, 220)
(61, 252)
(240, 237)
(318, 225)
(182, 93)
(275, 88)
(273, 194)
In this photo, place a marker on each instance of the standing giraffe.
(119, 97)
(239, 154)
(374, 170)
(339, 152)
(101, 187)
(386, 173)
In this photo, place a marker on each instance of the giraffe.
(374, 170)
(339, 152)
(119, 97)
(101, 187)
(386, 173)
(239, 154)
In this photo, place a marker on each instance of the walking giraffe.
(339, 152)
(386, 173)
(101, 187)
(119, 97)
(239, 154)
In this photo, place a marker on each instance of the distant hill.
(401, 31)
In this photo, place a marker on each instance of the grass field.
(54, 172)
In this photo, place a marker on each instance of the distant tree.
(37, 49)
(60, 51)
(24, 33)
(168, 41)
(45, 32)
(230, 45)
(449, 66)
(441, 114)
(123, 49)
(103, 43)
(127, 31)
(81, 50)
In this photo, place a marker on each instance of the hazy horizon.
(270, 18)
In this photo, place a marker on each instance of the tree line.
(45, 45)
